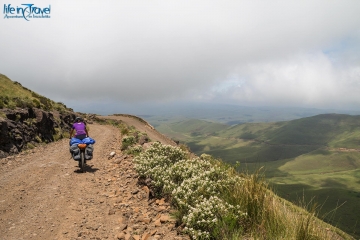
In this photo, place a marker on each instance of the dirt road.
(44, 196)
(142, 127)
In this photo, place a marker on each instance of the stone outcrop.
(23, 128)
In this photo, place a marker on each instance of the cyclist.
(80, 129)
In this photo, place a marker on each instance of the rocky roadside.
(138, 217)
(25, 128)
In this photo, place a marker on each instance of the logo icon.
(26, 11)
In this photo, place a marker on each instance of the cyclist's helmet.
(78, 119)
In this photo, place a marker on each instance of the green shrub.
(5, 99)
(46, 103)
(30, 121)
(23, 102)
(18, 117)
(127, 141)
(58, 134)
(125, 131)
(11, 105)
(61, 104)
(35, 95)
(36, 103)
(135, 150)
(38, 139)
(30, 146)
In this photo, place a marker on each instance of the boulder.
(144, 139)
(30, 125)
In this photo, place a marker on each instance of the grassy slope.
(299, 155)
(10, 89)
(13, 94)
(190, 128)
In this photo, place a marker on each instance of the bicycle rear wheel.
(82, 161)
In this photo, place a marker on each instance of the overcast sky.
(251, 53)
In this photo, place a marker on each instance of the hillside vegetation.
(13, 94)
(310, 157)
(212, 201)
(28, 119)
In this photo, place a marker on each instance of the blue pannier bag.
(74, 141)
(75, 151)
(88, 140)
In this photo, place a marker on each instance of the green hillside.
(264, 142)
(337, 130)
(312, 157)
(190, 128)
(13, 94)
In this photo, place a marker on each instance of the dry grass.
(271, 217)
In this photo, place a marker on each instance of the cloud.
(310, 80)
(253, 52)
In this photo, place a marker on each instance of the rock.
(164, 218)
(117, 161)
(121, 236)
(157, 223)
(122, 227)
(144, 139)
(147, 145)
(145, 236)
(111, 155)
(144, 219)
(148, 181)
(3, 154)
(135, 191)
(147, 220)
(147, 191)
(161, 208)
(160, 201)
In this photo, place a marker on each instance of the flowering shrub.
(195, 186)
(157, 158)
(199, 178)
(155, 162)
(205, 217)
